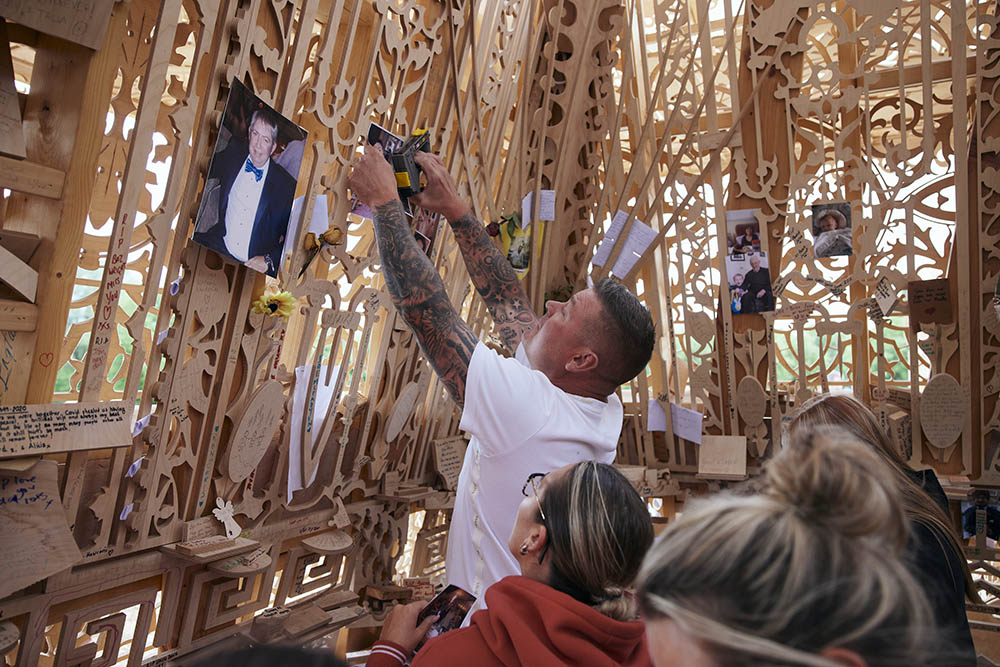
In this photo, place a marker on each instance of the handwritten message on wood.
(31, 509)
(39, 429)
(942, 410)
(81, 21)
(449, 454)
(723, 457)
(256, 428)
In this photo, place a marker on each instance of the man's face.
(755, 262)
(828, 223)
(565, 327)
(261, 143)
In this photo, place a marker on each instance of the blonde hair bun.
(829, 479)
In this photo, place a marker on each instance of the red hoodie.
(530, 623)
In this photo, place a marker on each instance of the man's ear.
(583, 359)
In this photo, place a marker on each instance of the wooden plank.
(79, 22)
(18, 275)
(27, 430)
(229, 548)
(17, 315)
(11, 132)
(30, 509)
(31, 178)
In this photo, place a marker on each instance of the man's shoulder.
(278, 173)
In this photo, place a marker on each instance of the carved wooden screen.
(674, 112)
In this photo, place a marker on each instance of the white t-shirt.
(241, 211)
(520, 423)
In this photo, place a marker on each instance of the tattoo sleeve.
(495, 281)
(420, 297)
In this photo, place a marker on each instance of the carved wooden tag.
(255, 430)
(751, 401)
(942, 410)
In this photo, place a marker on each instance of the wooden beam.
(18, 275)
(31, 178)
(17, 315)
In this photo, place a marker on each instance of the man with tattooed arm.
(552, 404)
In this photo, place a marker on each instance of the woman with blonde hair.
(806, 572)
(934, 554)
(579, 537)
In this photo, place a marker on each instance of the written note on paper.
(81, 21)
(687, 423)
(39, 429)
(723, 457)
(656, 418)
(885, 295)
(930, 301)
(31, 509)
(546, 206)
(449, 454)
(640, 236)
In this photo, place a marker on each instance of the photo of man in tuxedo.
(248, 194)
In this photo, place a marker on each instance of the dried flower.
(493, 229)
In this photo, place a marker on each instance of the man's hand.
(372, 178)
(401, 627)
(440, 194)
(761, 293)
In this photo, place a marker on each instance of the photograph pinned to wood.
(424, 223)
(743, 233)
(749, 283)
(831, 227)
(247, 201)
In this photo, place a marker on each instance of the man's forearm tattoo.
(420, 297)
(495, 280)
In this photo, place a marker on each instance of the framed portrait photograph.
(247, 200)
(831, 227)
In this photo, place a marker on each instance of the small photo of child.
(736, 293)
(831, 225)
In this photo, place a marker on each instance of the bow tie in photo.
(257, 173)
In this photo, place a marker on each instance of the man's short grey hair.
(268, 119)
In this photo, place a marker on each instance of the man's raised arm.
(490, 271)
(414, 285)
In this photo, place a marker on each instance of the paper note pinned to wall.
(610, 236)
(656, 418)
(885, 295)
(30, 508)
(323, 397)
(723, 457)
(546, 206)
(640, 236)
(687, 423)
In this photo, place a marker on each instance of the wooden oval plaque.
(401, 411)
(751, 401)
(257, 426)
(942, 410)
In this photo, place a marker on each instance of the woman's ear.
(843, 656)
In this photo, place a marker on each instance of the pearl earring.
(524, 549)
